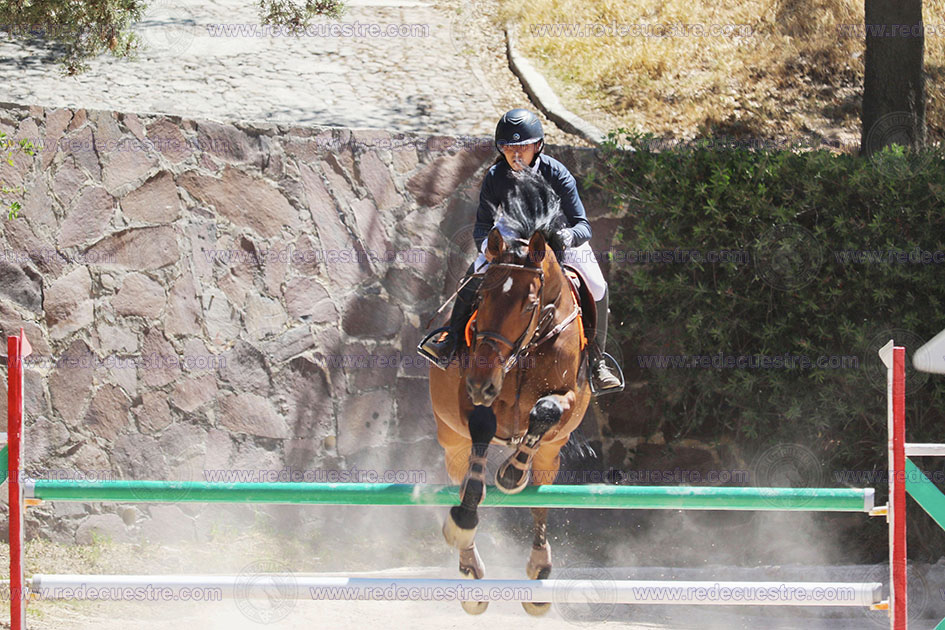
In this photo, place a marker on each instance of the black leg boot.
(605, 381)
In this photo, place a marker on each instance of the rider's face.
(519, 155)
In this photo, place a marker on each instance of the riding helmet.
(518, 126)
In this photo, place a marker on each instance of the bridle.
(529, 338)
(516, 347)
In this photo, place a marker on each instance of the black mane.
(530, 206)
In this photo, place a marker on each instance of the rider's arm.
(564, 184)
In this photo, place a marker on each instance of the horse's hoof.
(539, 563)
(471, 568)
(506, 483)
(470, 564)
(475, 608)
(457, 537)
(536, 610)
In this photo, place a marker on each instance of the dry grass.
(792, 75)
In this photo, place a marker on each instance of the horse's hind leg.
(539, 562)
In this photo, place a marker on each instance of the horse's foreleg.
(513, 474)
(459, 528)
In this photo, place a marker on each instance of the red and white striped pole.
(894, 358)
(17, 348)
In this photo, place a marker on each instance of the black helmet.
(518, 126)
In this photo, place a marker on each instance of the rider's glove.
(567, 237)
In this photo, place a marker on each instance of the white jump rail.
(292, 586)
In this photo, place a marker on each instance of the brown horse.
(522, 383)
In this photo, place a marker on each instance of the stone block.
(107, 416)
(252, 415)
(68, 303)
(139, 295)
(443, 176)
(87, 219)
(368, 316)
(155, 201)
(183, 308)
(137, 248)
(245, 200)
(22, 284)
(191, 394)
(71, 382)
(154, 414)
(307, 300)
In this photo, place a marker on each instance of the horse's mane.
(530, 206)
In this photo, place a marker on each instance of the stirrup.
(611, 362)
(427, 353)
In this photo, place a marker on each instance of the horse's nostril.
(490, 391)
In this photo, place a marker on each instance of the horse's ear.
(537, 247)
(496, 244)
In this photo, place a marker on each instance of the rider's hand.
(567, 237)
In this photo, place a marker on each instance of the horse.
(518, 378)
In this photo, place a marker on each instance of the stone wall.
(191, 289)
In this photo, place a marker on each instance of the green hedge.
(790, 215)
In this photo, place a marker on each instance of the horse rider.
(519, 138)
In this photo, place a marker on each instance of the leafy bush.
(793, 215)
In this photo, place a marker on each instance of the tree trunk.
(894, 82)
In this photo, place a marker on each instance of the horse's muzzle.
(482, 391)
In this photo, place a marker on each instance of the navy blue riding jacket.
(496, 184)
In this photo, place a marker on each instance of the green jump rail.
(583, 496)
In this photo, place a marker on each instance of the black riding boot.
(605, 381)
(444, 347)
